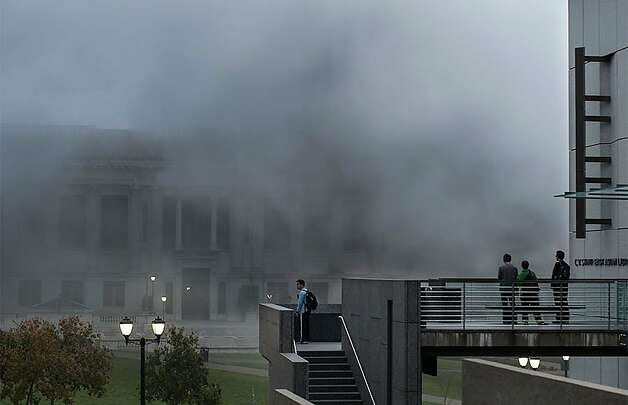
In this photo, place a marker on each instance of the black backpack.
(311, 303)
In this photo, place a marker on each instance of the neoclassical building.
(88, 215)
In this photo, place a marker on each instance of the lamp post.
(152, 285)
(163, 305)
(126, 327)
(523, 361)
(566, 365)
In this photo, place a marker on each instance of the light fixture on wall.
(566, 358)
(535, 363)
(523, 361)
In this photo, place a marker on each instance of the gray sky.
(451, 114)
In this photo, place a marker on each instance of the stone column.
(179, 235)
(213, 222)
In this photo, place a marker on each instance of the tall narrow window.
(113, 294)
(29, 293)
(276, 230)
(222, 298)
(317, 230)
(169, 222)
(114, 226)
(196, 223)
(72, 222)
(223, 225)
(73, 291)
(145, 222)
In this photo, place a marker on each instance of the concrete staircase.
(330, 379)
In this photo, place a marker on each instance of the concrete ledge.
(285, 397)
(485, 383)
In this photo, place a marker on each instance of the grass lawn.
(448, 382)
(250, 360)
(237, 389)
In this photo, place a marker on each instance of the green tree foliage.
(39, 359)
(175, 372)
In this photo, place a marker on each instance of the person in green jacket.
(529, 292)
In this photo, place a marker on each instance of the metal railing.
(368, 388)
(461, 304)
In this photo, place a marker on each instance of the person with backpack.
(529, 293)
(560, 287)
(306, 303)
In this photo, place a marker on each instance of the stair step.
(305, 353)
(326, 359)
(333, 388)
(330, 373)
(332, 381)
(328, 366)
(337, 402)
(334, 395)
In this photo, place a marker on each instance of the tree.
(175, 372)
(41, 360)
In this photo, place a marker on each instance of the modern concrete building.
(598, 156)
(89, 214)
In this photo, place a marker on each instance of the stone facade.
(90, 214)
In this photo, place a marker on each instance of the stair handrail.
(294, 343)
(368, 388)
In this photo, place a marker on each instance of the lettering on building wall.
(600, 261)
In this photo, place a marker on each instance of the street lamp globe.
(535, 363)
(566, 358)
(158, 326)
(163, 298)
(523, 361)
(126, 327)
(153, 278)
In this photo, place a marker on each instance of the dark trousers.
(507, 305)
(562, 304)
(304, 327)
(530, 300)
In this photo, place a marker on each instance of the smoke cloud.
(448, 119)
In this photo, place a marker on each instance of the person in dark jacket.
(560, 287)
(529, 293)
(507, 276)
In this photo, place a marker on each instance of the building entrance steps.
(330, 378)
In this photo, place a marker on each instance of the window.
(276, 230)
(73, 291)
(170, 297)
(113, 294)
(196, 223)
(223, 224)
(222, 298)
(317, 231)
(321, 290)
(169, 223)
(114, 224)
(29, 293)
(279, 290)
(72, 222)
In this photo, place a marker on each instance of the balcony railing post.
(561, 298)
(609, 304)
(464, 305)
(512, 305)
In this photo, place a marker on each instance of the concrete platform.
(319, 347)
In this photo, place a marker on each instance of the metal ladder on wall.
(581, 159)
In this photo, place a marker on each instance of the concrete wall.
(364, 308)
(602, 27)
(285, 397)
(488, 383)
(285, 368)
